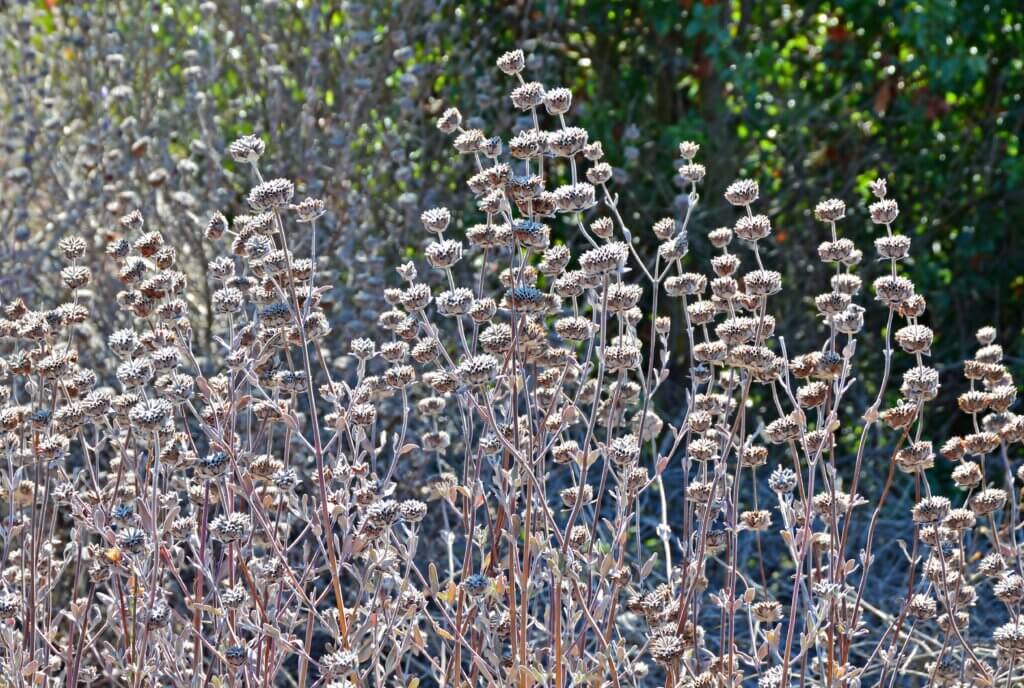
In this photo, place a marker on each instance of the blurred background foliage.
(113, 105)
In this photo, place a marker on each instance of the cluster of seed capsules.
(554, 370)
(208, 493)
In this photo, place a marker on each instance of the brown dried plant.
(250, 514)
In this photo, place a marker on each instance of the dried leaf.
(435, 584)
(648, 566)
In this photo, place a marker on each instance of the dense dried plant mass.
(483, 488)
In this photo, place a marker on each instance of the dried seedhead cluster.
(248, 515)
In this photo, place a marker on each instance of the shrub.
(486, 491)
